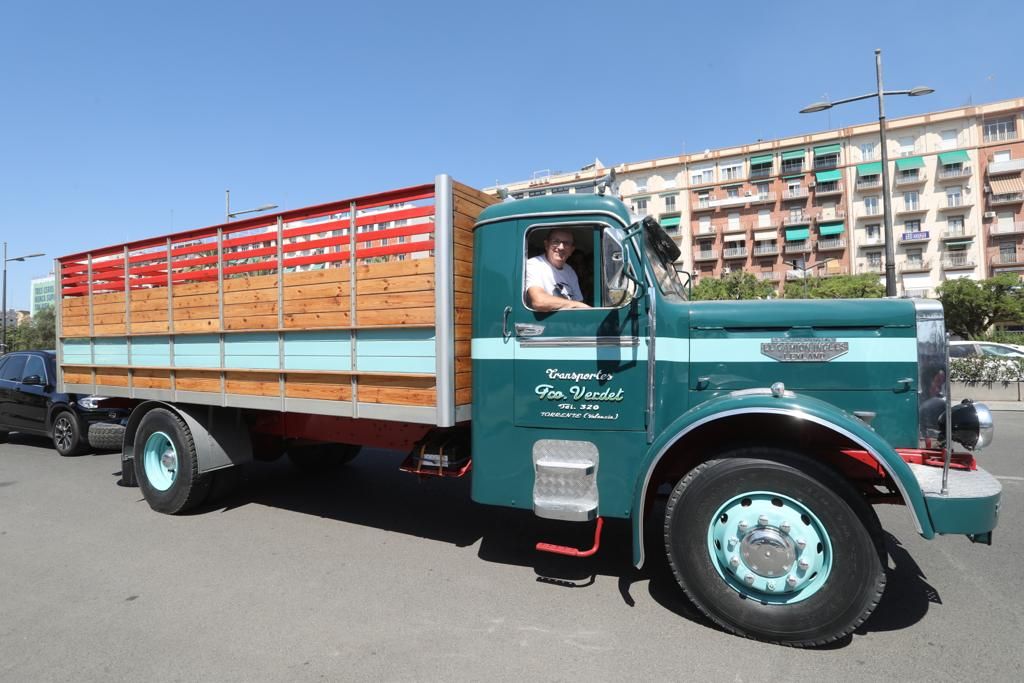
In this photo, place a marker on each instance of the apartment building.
(813, 203)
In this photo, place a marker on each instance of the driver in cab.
(551, 283)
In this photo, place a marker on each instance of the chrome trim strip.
(800, 415)
(579, 342)
(518, 216)
(444, 300)
(651, 337)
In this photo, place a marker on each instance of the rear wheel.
(773, 546)
(322, 458)
(166, 463)
(67, 434)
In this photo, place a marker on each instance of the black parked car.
(30, 403)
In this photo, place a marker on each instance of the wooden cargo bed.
(261, 314)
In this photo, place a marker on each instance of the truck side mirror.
(614, 263)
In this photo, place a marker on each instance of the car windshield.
(664, 271)
(996, 350)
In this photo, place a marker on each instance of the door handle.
(529, 330)
(505, 334)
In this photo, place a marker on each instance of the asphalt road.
(374, 575)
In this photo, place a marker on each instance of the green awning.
(874, 168)
(908, 163)
(958, 157)
(790, 177)
(830, 229)
(826, 149)
(794, 154)
(761, 160)
(671, 222)
(828, 176)
(796, 234)
(958, 243)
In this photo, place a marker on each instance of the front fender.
(798, 406)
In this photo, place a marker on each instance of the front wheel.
(166, 463)
(773, 546)
(67, 434)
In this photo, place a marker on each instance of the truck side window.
(566, 261)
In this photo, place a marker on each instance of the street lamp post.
(3, 338)
(890, 255)
(229, 214)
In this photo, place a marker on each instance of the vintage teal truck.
(399, 320)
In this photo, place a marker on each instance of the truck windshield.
(662, 268)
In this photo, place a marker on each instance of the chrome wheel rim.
(160, 461)
(63, 433)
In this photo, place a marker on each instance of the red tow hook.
(573, 552)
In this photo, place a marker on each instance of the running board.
(573, 552)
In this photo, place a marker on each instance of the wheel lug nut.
(803, 564)
(734, 562)
(784, 528)
(791, 581)
(771, 586)
(732, 543)
(749, 578)
(801, 544)
(762, 520)
(742, 526)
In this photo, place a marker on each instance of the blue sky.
(123, 120)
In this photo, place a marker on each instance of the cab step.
(574, 552)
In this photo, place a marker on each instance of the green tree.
(864, 286)
(735, 285)
(39, 333)
(972, 307)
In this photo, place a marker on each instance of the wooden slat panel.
(463, 348)
(151, 379)
(463, 284)
(463, 237)
(108, 319)
(463, 222)
(475, 195)
(251, 295)
(251, 308)
(314, 320)
(109, 330)
(463, 301)
(323, 387)
(369, 271)
(463, 380)
(195, 301)
(77, 376)
(463, 254)
(464, 269)
(252, 383)
(197, 380)
(251, 322)
(463, 332)
(159, 304)
(112, 377)
(463, 397)
(249, 283)
(315, 291)
(316, 277)
(373, 302)
(404, 283)
(463, 316)
(196, 325)
(193, 288)
(325, 305)
(75, 330)
(402, 316)
(463, 364)
(149, 328)
(398, 390)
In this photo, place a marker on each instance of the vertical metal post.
(949, 428)
(3, 339)
(128, 325)
(92, 327)
(890, 249)
(352, 284)
(444, 300)
(280, 310)
(58, 313)
(220, 314)
(170, 324)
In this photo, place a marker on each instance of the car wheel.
(773, 546)
(167, 465)
(323, 457)
(67, 434)
(106, 436)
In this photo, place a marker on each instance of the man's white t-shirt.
(563, 283)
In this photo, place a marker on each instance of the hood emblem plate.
(817, 350)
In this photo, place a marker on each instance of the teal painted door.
(580, 369)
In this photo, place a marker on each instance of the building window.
(704, 225)
(1000, 129)
(640, 207)
(670, 202)
(702, 176)
(908, 175)
(906, 146)
(762, 190)
(537, 193)
(911, 201)
(732, 192)
(871, 206)
(704, 200)
(911, 226)
(1007, 252)
(873, 232)
(1001, 155)
(954, 196)
(867, 151)
(949, 139)
(915, 258)
(560, 190)
(955, 226)
(734, 220)
(874, 259)
(732, 172)
(793, 165)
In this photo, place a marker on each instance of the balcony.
(906, 208)
(736, 252)
(766, 249)
(835, 215)
(871, 182)
(955, 202)
(825, 189)
(800, 247)
(915, 266)
(826, 163)
(832, 272)
(869, 212)
(801, 193)
(872, 242)
(734, 227)
(761, 172)
(946, 174)
(1015, 228)
(1005, 199)
(957, 261)
(999, 135)
(871, 267)
(706, 255)
(803, 219)
(831, 243)
(910, 179)
(709, 231)
(1007, 258)
(961, 232)
(763, 198)
(703, 205)
(769, 276)
(999, 167)
(916, 236)
(916, 293)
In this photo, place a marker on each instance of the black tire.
(716, 564)
(322, 458)
(67, 434)
(170, 485)
(224, 482)
(106, 436)
(3, 436)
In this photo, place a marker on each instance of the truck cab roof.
(561, 203)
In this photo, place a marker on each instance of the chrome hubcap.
(768, 552)
(62, 433)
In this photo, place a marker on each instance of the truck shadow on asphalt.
(372, 492)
